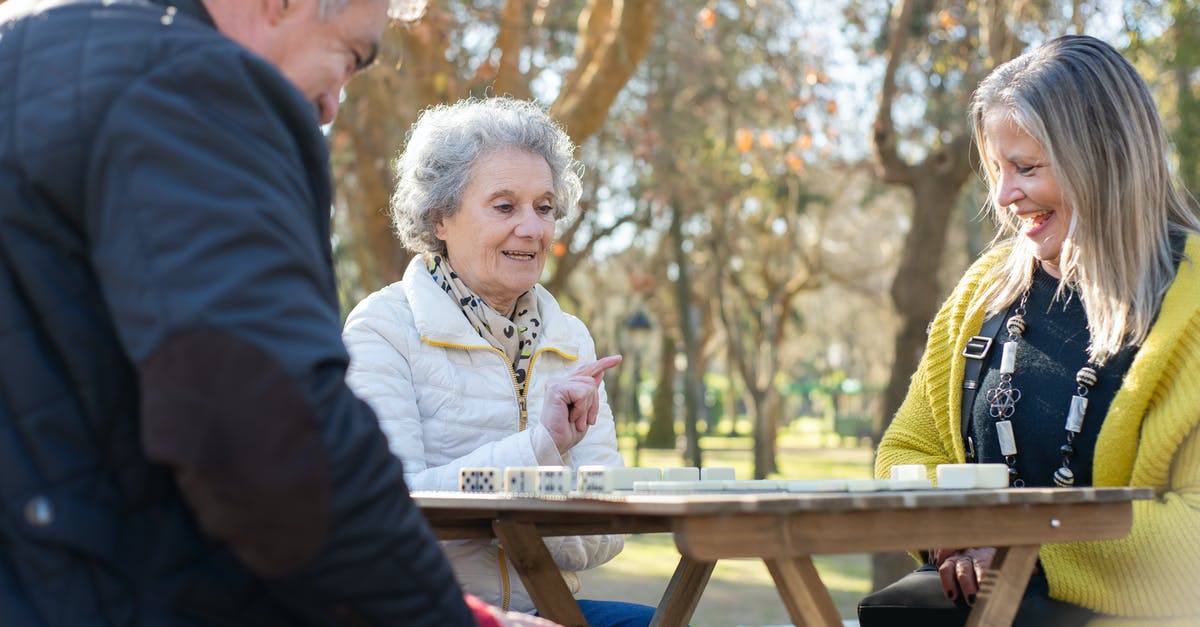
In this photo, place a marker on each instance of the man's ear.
(277, 10)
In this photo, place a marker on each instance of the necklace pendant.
(1004, 433)
(1075, 415)
(1008, 360)
(1064, 477)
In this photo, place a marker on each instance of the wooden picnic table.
(785, 530)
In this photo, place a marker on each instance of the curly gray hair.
(445, 143)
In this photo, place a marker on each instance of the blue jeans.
(615, 613)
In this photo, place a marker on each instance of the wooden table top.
(700, 503)
(784, 529)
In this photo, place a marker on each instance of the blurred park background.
(778, 195)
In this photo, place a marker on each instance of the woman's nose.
(1007, 191)
(530, 224)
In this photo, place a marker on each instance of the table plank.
(528, 553)
(683, 592)
(711, 537)
(804, 594)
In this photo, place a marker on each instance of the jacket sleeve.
(208, 223)
(597, 448)
(381, 373)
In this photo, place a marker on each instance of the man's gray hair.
(327, 9)
(447, 141)
(406, 10)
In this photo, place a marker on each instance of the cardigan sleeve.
(1152, 571)
(925, 430)
(912, 438)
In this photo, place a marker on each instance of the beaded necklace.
(1002, 401)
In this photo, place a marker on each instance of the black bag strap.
(976, 352)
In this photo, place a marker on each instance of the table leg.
(1003, 586)
(683, 593)
(524, 547)
(805, 595)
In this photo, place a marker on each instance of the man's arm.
(209, 195)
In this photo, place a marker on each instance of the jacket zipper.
(506, 594)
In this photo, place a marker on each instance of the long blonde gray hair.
(1094, 118)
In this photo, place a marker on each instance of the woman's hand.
(961, 571)
(492, 616)
(572, 402)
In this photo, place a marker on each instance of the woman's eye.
(546, 209)
(503, 207)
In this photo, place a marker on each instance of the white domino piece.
(754, 485)
(717, 473)
(675, 487)
(624, 478)
(991, 476)
(908, 484)
(520, 480)
(553, 480)
(815, 485)
(687, 473)
(478, 479)
(905, 472)
(972, 476)
(594, 479)
(866, 485)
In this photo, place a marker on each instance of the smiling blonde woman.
(1093, 283)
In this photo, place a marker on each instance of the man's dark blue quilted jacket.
(177, 443)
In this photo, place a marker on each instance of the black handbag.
(915, 599)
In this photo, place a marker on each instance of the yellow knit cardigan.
(1149, 438)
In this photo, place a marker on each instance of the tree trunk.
(935, 184)
(692, 377)
(732, 396)
(915, 291)
(662, 424)
(1185, 37)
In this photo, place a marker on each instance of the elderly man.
(177, 443)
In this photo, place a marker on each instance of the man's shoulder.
(77, 57)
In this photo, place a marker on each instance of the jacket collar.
(192, 8)
(439, 321)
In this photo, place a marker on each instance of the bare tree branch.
(892, 169)
(582, 106)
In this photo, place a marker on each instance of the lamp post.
(637, 329)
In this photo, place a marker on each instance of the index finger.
(597, 368)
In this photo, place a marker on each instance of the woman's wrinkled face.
(498, 239)
(1025, 184)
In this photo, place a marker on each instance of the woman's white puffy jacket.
(446, 400)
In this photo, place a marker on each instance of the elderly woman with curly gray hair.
(467, 360)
